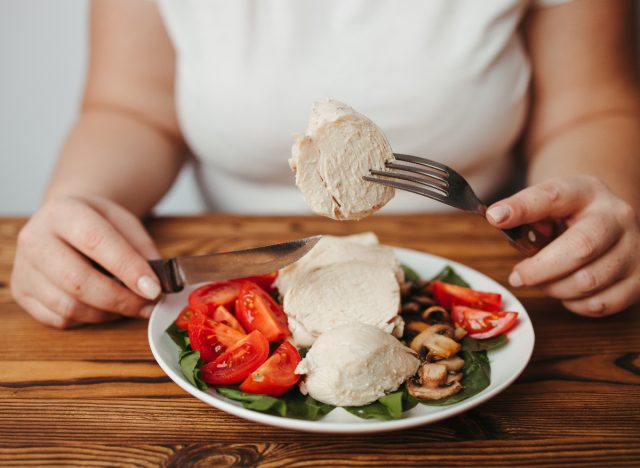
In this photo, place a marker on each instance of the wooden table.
(95, 396)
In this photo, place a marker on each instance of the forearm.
(606, 146)
(116, 155)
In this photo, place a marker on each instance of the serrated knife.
(175, 273)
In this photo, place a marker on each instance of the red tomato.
(449, 295)
(276, 375)
(183, 319)
(237, 362)
(481, 324)
(222, 315)
(211, 338)
(264, 281)
(207, 298)
(256, 310)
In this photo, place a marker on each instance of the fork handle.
(530, 239)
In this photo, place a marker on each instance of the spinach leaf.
(449, 275)
(178, 335)
(410, 274)
(470, 344)
(386, 408)
(189, 361)
(292, 403)
(476, 376)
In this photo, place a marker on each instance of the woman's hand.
(53, 278)
(594, 266)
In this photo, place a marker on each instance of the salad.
(233, 337)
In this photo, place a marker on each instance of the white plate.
(507, 362)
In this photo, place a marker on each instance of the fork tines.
(428, 178)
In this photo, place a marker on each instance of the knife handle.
(167, 272)
(530, 239)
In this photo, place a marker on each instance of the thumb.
(557, 198)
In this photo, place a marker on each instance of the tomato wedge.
(237, 362)
(211, 338)
(208, 298)
(481, 324)
(183, 318)
(264, 281)
(449, 295)
(222, 315)
(276, 375)
(256, 310)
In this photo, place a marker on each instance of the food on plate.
(339, 148)
(341, 280)
(339, 335)
(355, 364)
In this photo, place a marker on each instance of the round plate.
(507, 362)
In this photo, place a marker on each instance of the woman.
(459, 81)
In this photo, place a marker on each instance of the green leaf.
(189, 361)
(470, 344)
(476, 377)
(178, 335)
(386, 408)
(410, 274)
(449, 275)
(291, 404)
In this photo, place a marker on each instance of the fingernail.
(499, 213)
(145, 312)
(515, 279)
(149, 287)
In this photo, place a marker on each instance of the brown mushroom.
(453, 364)
(433, 382)
(416, 326)
(459, 333)
(435, 340)
(436, 314)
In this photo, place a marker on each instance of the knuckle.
(91, 237)
(550, 190)
(67, 308)
(582, 244)
(628, 215)
(121, 304)
(72, 281)
(586, 280)
(25, 239)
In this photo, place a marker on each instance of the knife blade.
(177, 272)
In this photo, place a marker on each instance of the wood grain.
(95, 396)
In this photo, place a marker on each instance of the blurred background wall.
(43, 54)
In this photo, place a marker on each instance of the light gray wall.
(43, 52)
(42, 59)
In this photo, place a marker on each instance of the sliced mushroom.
(459, 333)
(416, 326)
(438, 345)
(455, 377)
(453, 364)
(436, 314)
(433, 383)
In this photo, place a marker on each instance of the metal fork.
(441, 183)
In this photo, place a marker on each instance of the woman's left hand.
(593, 266)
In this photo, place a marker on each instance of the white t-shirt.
(444, 79)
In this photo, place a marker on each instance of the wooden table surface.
(95, 396)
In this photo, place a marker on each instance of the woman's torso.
(444, 79)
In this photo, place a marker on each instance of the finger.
(128, 225)
(97, 239)
(556, 198)
(73, 274)
(579, 245)
(613, 299)
(44, 315)
(63, 304)
(596, 276)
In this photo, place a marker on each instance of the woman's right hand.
(53, 278)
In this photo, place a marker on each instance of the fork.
(441, 183)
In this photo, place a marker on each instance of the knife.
(177, 272)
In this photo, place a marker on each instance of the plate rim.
(356, 427)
